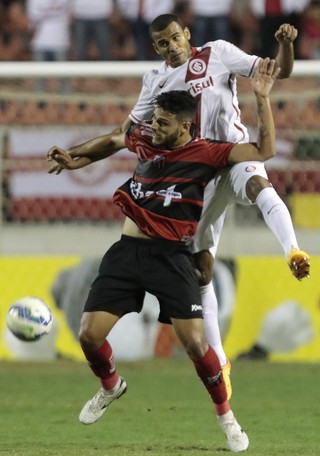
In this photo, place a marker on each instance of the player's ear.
(187, 33)
(155, 48)
(186, 125)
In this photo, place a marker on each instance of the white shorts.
(228, 186)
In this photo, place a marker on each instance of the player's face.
(166, 130)
(173, 44)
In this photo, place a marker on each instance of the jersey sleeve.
(236, 60)
(144, 107)
(218, 153)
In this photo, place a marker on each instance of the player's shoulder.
(155, 73)
(216, 44)
(224, 48)
(199, 143)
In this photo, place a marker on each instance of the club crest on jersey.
(159, 161)
(197, 67)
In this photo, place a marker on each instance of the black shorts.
(133, 266)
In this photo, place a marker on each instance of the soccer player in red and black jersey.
(163, 202)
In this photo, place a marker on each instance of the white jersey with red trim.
(210, 75)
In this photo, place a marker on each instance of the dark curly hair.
(178, 102)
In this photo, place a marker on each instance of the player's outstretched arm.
(63, 160)
(285, 35)
(262, 84)
(84, 154)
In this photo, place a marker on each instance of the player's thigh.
(172, 278)
(117, 288)
(217, 197)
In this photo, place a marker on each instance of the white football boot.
(236, 437)
(95, 407)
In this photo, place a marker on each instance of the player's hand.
(286, 34)
(56, 169)
(265, 75)
(61, 158)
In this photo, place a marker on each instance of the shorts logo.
(250, 168)
(197, 66)
(196, 307)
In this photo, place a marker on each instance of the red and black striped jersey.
(165, 195)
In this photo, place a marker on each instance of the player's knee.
(88, 338)
(255, 185)
(196, 345)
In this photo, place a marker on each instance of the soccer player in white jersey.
(209, 73)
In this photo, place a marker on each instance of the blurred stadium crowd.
(118, 29)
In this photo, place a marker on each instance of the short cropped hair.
(177, 102)
(162, 22)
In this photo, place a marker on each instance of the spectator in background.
(14, 31)
(310, 32)
(140, 14)
(271, 14)
(211, 20)
(182, 9)
(50, 42)
(243, 26)
(91, 25)
(50, 23)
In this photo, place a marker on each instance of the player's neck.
(181, 142)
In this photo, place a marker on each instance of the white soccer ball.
(29, 319)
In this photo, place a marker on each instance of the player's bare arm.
(285, 35)
(84, 154)
(262, 84)
(124, 127)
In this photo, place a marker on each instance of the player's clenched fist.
(286, 34)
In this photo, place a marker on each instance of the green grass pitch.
(166, 410)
